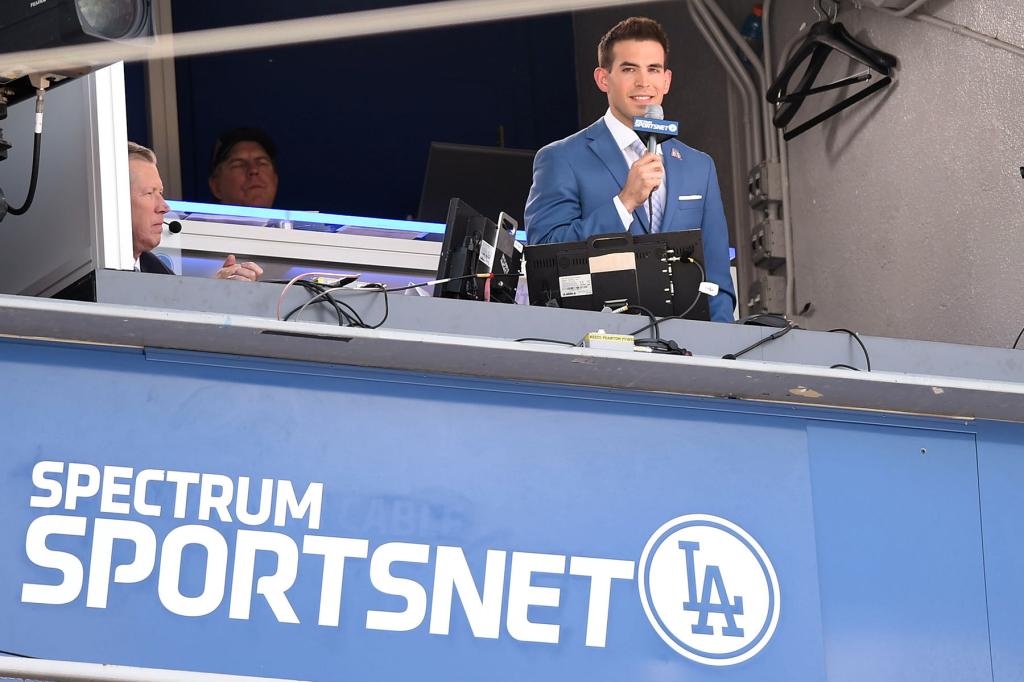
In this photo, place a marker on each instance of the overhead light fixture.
(43, 24)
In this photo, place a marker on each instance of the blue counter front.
(219, 513)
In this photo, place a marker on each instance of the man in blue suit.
(598, 181)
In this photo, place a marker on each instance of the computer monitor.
(474, 244)
(661, 272)
(493, 179)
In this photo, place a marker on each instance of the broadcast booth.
(336, 474)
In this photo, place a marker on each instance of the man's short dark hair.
(229, 138)
(634, 28)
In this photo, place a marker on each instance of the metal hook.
(835, 11)
(818, 10)
(822, 13)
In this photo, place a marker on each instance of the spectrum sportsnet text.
(706, 586)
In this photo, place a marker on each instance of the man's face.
(246, 177)
(637, 78)
(148, 205)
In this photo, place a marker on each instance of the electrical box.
(767, 294)
(768, 244)
(764, 184)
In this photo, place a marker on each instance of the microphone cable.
(37, 144)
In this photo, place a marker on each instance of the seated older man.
(148, 209)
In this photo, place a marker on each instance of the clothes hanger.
(822, 39)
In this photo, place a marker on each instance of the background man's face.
(636, 79)
(148, 205)
(246, 177)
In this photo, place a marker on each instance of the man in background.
(148, 209)
(243, 168)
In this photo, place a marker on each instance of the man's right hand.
(644, 177)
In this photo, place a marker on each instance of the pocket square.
(690, 197)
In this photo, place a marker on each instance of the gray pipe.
(748, 52)
(735, 69)
(786, 209)
(754, 144)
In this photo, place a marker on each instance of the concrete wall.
(908, 207)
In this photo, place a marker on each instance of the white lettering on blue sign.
(706, 585)
(655, 125)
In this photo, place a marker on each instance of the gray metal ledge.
(482, 356)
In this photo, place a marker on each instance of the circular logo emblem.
(709, 589)
(673, 128)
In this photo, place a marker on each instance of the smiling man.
(598, 180)
(243, 168)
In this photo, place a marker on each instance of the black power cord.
(37, 144)
(667, 346)
(856, 337)
(681, 316)
(537, 339)
(1017, 340)
(651, 316)
(777, 335)
(347, 316)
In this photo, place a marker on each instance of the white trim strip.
(67, 671)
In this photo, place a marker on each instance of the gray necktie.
(658, 196)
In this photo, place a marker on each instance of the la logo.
(714, 589)
(709, 589)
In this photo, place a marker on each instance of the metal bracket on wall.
(768, 244)
(767, 294)
(764, 184)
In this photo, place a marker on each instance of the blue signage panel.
(1001, 477)
(898, 526)
(184, 511)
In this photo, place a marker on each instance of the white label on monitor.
(575, 285)
(487, 255)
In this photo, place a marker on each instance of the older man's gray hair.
(137, 151)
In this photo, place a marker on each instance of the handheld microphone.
(173, 226)
(652, 112)
(653, 127)
(656, 112)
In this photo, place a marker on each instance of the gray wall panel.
(908, 207)
(51, 245)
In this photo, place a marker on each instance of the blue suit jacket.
(575, 180)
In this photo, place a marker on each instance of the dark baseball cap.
(229, 138)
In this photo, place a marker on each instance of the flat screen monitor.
(493, 179)
(476, 245)
(661, 272)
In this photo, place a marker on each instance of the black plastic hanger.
(822, 39)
